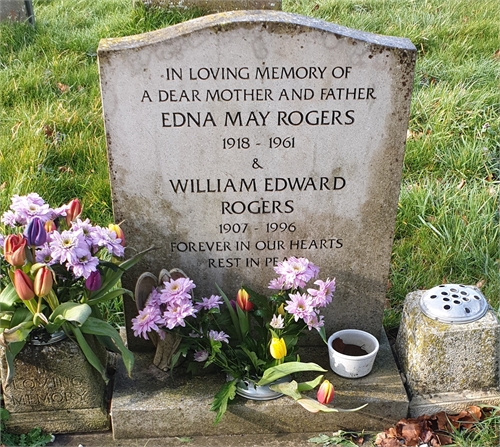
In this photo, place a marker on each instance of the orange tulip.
(74, 210)
(325, 393)
(23, 285)
(14, 249)
(43, 282)
(243, 300)
(50, 226)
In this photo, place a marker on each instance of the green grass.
(52, 137)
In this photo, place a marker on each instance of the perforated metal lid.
(454, 303)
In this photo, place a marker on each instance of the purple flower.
(68, 246)
(200, 356)
(296, 272)
(154, 298)
(174, 315)
(300, 306)
(218, 336)
(209, 303)
(44, 255)
(277, 283)
(323, 296)
(179, 287)
(87, 229)
(93, 281)
(314, 321)
(104, 237)
(25, 209)
(35, 233)
(85, 266)
(147, 320)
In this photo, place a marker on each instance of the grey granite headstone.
(239, 139)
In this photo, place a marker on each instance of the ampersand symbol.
(256, 165)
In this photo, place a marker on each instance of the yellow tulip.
(278, 348)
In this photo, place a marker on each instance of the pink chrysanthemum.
(300, 306)
(147, 320)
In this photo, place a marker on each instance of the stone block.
(56, 389)
(175, 405)
(447, 366)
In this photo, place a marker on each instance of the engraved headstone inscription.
(237, 140)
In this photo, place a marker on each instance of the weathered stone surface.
(17, 11)
(179, 406)
(217, 5)
(238, 139)
(447, 366)
(55, 386)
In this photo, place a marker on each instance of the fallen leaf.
(461, 184)
(63, 88)
(480, 283)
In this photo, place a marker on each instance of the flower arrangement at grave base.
(252, 339)
(57, 269)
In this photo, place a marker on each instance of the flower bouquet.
(56, 269)
(253, 339)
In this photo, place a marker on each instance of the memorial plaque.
(240, 139)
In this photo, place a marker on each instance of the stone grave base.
(452, 403)
(157, 404)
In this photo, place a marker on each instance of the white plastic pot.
(353, 366)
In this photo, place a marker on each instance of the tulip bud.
(281, 309)
(43, 281)
(14, 249)
(23, 285)
(325, 393)
(277, 348)
(119, 232)
(35, 233)
(50, 226)
(94, 281)
(243, 300)
(73, 211)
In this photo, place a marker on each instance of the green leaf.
(222, 398)
(10, 354)
(101, 328)
(109, 296)
(307, 386)
(261, 302)
(232, 313)
(87, 350)
(112, 277)
(70, 311)
(315, 407)
(17, 333)
(277, 372)
(287, 388)
(243, 322)
(8, 298)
